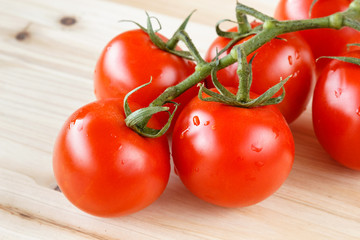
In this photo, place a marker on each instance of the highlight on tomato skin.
(231, 156)
(103, 167)
(336, 111)
(278, 59)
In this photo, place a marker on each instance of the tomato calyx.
(138, 119)
(242, 97)
(170, 45)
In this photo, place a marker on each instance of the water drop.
(259, 164)
(358, 111)
(206, 123)
(120, 147)
(297, 55)
(290, 58)
(296, 73)
(240, 159)
(213, 127)
(256, 148)
(196, 121)
(182, 135)
(276, 132)
(338, 92)
(79, 124)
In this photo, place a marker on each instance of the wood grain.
(46, 71)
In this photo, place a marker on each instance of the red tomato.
(103, 167)
(323, 42)
(336, 111)
(232, 156)
(130, 60)
(274, 60)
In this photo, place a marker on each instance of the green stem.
(243, 24)
(183, 36)
(271, 29)
(243, 71)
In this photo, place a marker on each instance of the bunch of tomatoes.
(229, 156)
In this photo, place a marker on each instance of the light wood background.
(46, 73)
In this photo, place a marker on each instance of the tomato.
(273, 61)
(231, 156)
(103, 167)
(129, 60)
(323, 42)
(336, 111)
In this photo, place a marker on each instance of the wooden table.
(46, 70)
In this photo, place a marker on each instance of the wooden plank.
(48, 74)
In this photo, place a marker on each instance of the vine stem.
(271, 29)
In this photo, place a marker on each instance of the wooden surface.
(46, 73)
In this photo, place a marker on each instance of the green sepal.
(171, 44)
(222, 90)
(225, 34)
(152, 34)
(252, 12)
(351, 45)
(126, 106)
(214, 97)
(138, 119)
(311, 7)
(267, 97)
(344, 59)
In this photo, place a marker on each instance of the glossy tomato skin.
(130, 60)
(273, 61)
(336, 111)
(230, 156)
(103, 167)
(323, 42)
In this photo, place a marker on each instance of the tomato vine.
(270, 29)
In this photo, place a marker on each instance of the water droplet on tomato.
(259, 164)
(79, 124)
(120, 147)
(196, 121)
(290, 58)
(256, 148)
(213, 127)
(276, 132)
(182, 135)
(338, 92)
(295, 74)
(206, 123)
(240, 159)
(297, 55)
(358, 111)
